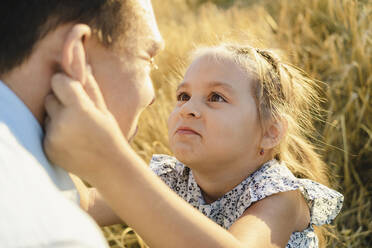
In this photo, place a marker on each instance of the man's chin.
(132, 135)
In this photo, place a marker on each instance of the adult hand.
(80, 131)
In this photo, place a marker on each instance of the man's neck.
(31, 83)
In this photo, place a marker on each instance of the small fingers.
(52, 105)
(68, 91)
(93, 91)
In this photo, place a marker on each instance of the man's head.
(24, 23)
(39, 38)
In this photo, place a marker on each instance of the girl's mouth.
(186, 131)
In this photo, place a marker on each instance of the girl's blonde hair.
(283, 91)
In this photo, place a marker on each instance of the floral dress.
(271, 178)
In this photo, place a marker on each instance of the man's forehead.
(142, 9)
(142, 30)
(146, 4)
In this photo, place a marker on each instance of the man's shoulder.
(33, 211)
(9, 145)
(13, 156)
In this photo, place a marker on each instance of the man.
(39, 38)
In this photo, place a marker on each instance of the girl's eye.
(183, 97)
(216, 98)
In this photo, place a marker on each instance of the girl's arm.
(84, 138)
(273, 220)
(93, 203)
(165, 220)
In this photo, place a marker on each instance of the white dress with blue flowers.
(269, 179)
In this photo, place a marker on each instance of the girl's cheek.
(172, 118)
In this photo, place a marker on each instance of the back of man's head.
(24, 23)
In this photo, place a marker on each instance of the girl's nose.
(189, 110)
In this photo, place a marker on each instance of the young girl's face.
(215, 120)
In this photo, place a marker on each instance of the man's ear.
(73, 60)
(274, 133)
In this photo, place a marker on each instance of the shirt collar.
(21, 122)
(28, 132)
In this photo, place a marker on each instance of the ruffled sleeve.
(324, 203)
(168, 168)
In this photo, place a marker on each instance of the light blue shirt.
(39, 203)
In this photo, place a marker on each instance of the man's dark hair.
(24, 22)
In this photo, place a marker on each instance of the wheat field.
(330, 39)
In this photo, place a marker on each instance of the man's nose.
(157, 46)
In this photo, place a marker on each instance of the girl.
(239, 135)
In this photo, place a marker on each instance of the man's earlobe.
(73, 58)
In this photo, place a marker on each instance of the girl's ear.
(274, 133)
(73, 58)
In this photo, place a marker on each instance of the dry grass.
(332, 40)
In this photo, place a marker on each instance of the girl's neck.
(216, 183)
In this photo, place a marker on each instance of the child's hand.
(80, 131)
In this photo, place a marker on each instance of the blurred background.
(330, 39)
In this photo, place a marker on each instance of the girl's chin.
(186, 157)
(182, 149)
